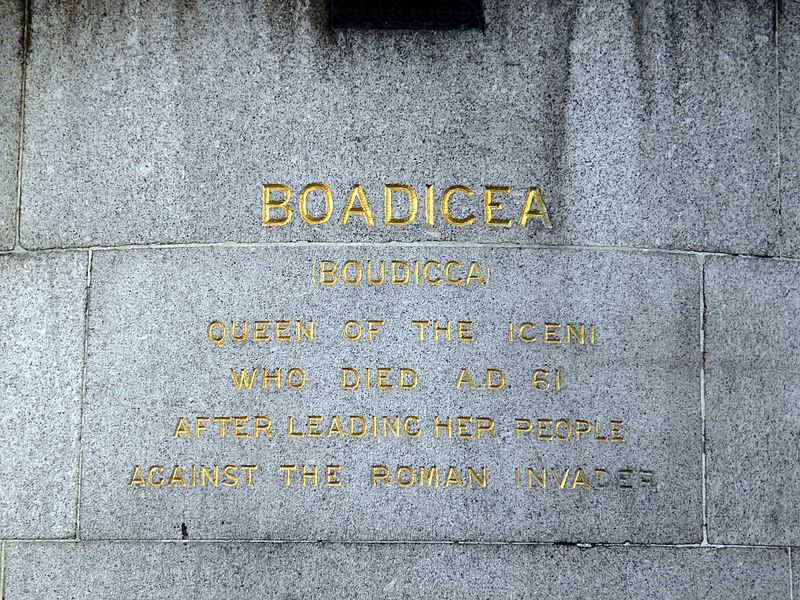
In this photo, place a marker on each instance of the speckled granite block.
(752, 401)
(239, 571)
(648, 126)
(151, 362)
(789, 54)
(41, 364)
(11, 22)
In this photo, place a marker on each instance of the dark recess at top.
(407, 14)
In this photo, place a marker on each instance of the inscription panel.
(159, 122)
(393, 394)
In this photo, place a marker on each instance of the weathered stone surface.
(151, 362)
(789, 54)
(752, 400)
(10, 85)
(115, 570)
(41, 363)
(652, 126)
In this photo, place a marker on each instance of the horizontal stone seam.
(581, 545)
(400, 245)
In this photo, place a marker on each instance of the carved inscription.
(533, 428)
(454, 205)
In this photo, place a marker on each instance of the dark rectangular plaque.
(407, 14)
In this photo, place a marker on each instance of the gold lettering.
(243, 379)
(522, 426)
(262, 424)
(357, 193)
(474, 273)
(580, 479)
(287, 473)
(137, 477)
(216, 338)
(151, 475)
(445, 206)
(372, 280)
(355, 276)
(489, 205)
(402, 266)
(446, 425)
(541, 478)
(473, 476)
(464, 379)
(212, 475)
(379, 473)
(268, 204)
(327, 272)
(453, 477)
(181, 428)
(404, 475)
(534, 196)
(563, 481)
(231, 478)
(549, 333)
(308, 473)
(335, 427)
(614, 431)
(451, 280)
(428, 204)
(484, 424)
(326, 213)
(176, 476)
(577, 333)
(411, 426)
(429, 476)
(331, 474)
(388, 190)
(425, 275)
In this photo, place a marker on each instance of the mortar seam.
(83, 394)
(582, 545)
(703, 465)
(2, 569)
(791, 576)
(21, 138)
(778, 116)
(404, 245)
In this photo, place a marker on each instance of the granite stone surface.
(42, 302)
(752, 401)
(646, 125)
(151, 362)
(789, 55)
(11, 21)
(239, 571)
